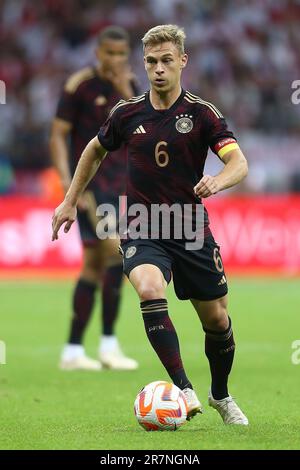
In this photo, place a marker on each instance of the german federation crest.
(131, 251)
(184, 124)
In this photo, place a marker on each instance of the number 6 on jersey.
(161, 156)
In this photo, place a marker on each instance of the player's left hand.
(207, 186)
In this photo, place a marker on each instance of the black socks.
(163, 337)
(219, 349)
(83, 302)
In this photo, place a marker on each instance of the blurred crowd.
(244, 56)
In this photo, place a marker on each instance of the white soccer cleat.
(194, 405)
(80, 363)
(228, 409)
(116, 359)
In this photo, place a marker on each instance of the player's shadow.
(201, 429)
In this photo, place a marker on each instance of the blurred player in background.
(85, 103)
(165, 165)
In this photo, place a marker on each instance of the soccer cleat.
(80, 363)
(194, 405)
(228, 409)
(116, 359)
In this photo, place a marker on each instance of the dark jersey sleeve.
(109, 135)
(217, 133)
(68, 106)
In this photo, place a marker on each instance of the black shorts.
(88, 220)
(197, 274)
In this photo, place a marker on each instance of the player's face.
(112, 54)
(164, 64)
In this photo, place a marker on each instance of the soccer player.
(87, 98)
(168, 132)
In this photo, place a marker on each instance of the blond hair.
(165, 33)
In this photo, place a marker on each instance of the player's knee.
(151, 291)
(219, 323)
(91, 273)
(218, 320)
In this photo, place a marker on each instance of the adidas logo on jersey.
(140, 130)
(222, 281)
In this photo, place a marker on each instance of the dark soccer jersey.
(166, 149)
(86, 102)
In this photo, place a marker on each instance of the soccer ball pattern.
(160, 406)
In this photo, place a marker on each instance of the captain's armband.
(225, 146)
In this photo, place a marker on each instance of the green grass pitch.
(45, 408)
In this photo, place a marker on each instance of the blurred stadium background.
(244, 56)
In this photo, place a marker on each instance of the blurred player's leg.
(73, 356)
(219, 349)
(150, 284)
(110, 353)
(111, 290)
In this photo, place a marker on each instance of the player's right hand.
(121, 77)
(64, 213)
